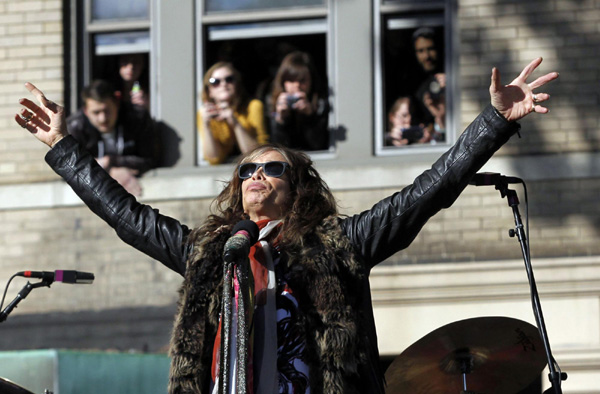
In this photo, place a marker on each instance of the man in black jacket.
(121, 136)
(431, 93)
(306, 250)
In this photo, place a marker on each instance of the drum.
(8, 387)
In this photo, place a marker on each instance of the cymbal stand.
(554, 376)
(21, 296)
(466, 364)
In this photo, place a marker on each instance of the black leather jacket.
(389, 226)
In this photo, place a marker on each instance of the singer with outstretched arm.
(313, 320)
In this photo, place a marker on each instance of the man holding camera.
(431, 95)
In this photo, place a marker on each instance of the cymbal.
(8, 387)
(497, 355)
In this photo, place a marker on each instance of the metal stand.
(554, 376)
(241, 268)
(21, 296)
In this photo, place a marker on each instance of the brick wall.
(564, 220)
(474, 229)
(508, 34)
(74, 238)
(31, 49)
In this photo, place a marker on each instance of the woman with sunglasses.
(313, 325)
(228, 122)
(299, 109)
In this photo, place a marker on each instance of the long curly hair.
(310, 199)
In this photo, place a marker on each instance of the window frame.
(282, 16)
(351, 65)
(381, 12)
(83, 29)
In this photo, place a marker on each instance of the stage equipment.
(501, 184)
(47, 279)
(8, 387)
(236, 267)
(492, 355)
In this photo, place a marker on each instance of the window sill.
(195, 183)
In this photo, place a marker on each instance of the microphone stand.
(22, 295)
(241, 267)
(554, 376)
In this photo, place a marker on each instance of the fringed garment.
(327, 279)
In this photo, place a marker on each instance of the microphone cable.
(5, 290)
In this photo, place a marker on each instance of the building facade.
(464, 264)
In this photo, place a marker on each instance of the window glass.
(124, 42)
(419, 3)
(123, 60)
(120, 10)
(257, 52)
(413, 90)
(245, 5)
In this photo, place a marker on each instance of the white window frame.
(89, 28)
(267, 23)
(412, 19)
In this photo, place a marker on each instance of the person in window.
(133, 88)
(431, 93)
(121, 136)
(314, 331)
(299, 109)
(228, 122)
(402, 130)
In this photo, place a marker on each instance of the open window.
(106, 32)
(212, 6)
(414, 78)
(123, 59)
(256, 49)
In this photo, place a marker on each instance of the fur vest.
(326, 277)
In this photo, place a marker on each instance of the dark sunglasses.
(217, 81)
(273, 169)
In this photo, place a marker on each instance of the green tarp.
(77, 372)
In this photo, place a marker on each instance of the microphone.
(244, 235)
(71, 277)
(492, 179)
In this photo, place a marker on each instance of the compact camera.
(412, 133)
(291, 100)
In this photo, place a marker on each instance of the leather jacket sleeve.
(394, 222)
(391, 225)
(161, 237)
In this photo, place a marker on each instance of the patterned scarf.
(262, 300)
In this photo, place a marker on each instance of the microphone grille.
(250, 227)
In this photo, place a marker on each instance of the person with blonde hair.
(402, 130)
(229, 122)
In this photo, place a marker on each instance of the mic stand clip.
(22, 295)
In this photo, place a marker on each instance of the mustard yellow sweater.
(252, 120)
